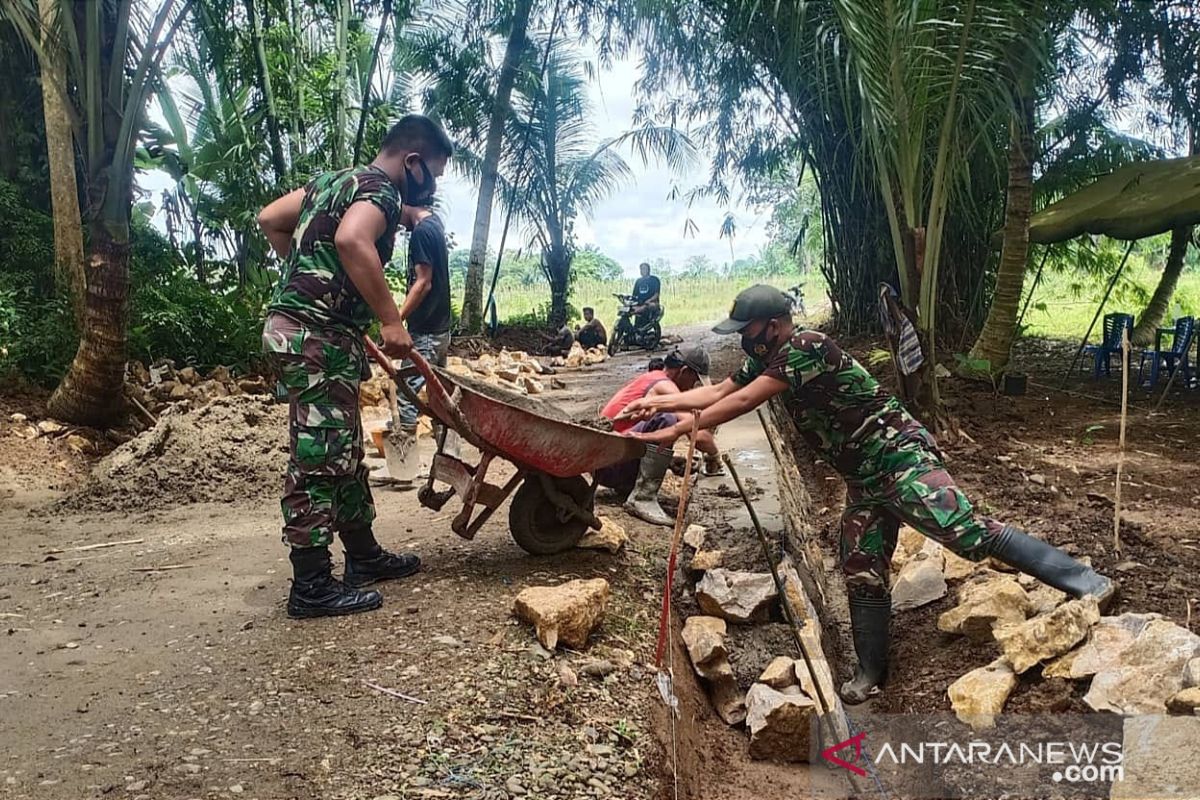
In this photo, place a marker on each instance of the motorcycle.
(797, 295)
(628, 332)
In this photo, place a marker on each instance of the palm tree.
(926, 72)
(554, 171)
(501, 109)
(60, 152)
(112, 51)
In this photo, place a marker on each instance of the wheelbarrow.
(554, 502)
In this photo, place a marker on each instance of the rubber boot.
(713, 466)
(1050, 565)
(367, 562)
(643, 501)
(316, 593)
(871, 622)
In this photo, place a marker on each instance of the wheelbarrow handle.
(398, 376)
(441, 406)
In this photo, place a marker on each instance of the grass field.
(1063, 304)
(686, 301)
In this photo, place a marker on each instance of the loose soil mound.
(233, 449)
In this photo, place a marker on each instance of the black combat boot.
(1050, 565)
(367, 562)
(871, 623)
(316, 593)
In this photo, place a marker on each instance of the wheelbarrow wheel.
(538, 526)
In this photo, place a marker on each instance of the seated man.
(646, 291)
(683, 370)
(559, 343)
(592, 332)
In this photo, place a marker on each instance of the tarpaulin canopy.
(1136, 201)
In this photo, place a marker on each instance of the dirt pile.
(234, 448)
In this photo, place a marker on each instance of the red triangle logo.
(855, 742)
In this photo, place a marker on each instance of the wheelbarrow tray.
(531, 439)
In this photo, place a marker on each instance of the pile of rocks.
(163, 383)
(781, 706)
(1137, 663)
(513, 370)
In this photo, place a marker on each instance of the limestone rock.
(1049, 635)
(565, 613)
(1191, 673)
(979, 696)
(704, 638)
(80, 444)
(780, 725)
(511, 374)
(575, 357)
(532, 385)
(49, 427)
(255, 385)
(188, 375)
(986, 601)
(555, 383)
(693, 536)
(957, 568)
(180, 391)
(703, 561)
(220, 374)
(1102, 650)
(736, 596)
(1185, 701)
(919, 583)
(779, 674)
(1147, 672)
(794, 589)
(1045, 599)
(610, 537)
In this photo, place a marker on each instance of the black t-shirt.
(427, 245)
(645, 288)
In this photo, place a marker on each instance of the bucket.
(1015, 383)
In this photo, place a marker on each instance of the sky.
(639, 223)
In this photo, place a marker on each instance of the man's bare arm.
(698, 398)
(361, 226)
(418, 291)
(279, 220)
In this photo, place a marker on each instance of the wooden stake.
(1121, 445)
(99, 546)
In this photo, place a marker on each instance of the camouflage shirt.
(840, 410)
(314, 287)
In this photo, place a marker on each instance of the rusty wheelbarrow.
(553, 506)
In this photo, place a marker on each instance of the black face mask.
(418, 190)
(758, 346)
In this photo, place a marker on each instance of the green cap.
(757, 302)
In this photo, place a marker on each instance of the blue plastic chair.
(1110, 345)
(1176, 356)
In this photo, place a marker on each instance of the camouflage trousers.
(325, 487)
(913, 487)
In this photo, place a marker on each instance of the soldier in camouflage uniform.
(893, 469)
(335, 235)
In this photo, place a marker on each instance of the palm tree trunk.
(472, 311)
(60, 156)
(1156, 309)
(342, 43)
(559, 272)
(89, 394)
(264, 77)
(1000, 329)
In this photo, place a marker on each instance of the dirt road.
(163, 666)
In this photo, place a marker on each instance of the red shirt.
(636, 389)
